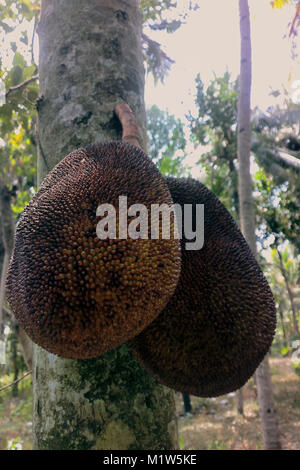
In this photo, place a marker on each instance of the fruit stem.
(129, 124)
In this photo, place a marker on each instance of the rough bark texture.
(263, 379)
(90, 60)
(268, 413)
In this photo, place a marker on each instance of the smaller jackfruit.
(220, 322)
(76, 295)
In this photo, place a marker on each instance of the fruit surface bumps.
(76, 295)
(220, 323)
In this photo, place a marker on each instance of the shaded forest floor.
(214, 423)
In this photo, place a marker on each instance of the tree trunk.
(91, 59)
(26, 345)
(285, 338)
(7, 235)
(8, 229)
(15, 364)
(290, 294)
(268, 414)
(240, 401)
(2, 293)
(263, 379)
(187, 406)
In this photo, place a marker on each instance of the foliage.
(166, 141)
(155, 14)
(152, 11)
(214, 130)
(17, 10)
(16, 415)
(279, 3)
(217, 114)
(15, 444)
(167, 16)
(18, 114)
(274, 273)
(278, 187)
(276, 193)
(157, 62)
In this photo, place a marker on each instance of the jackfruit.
(219, 324)
(77, 295)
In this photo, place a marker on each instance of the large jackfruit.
(76, 295)
(220, 323)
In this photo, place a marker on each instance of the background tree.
(214, 128)
(263, 380)
(166, 141)
(275, 180)
(17, 146)
(283, 273)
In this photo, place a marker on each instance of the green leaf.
(285, 350)
(19, 60)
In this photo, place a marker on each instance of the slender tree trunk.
(91, 59)
(187, 406)
(290, 294)
(25, 343)
(8, 229)
(14, 358)
(285, 339)
(263, 379)
(7, 235)
(2, 292)
(240, 401)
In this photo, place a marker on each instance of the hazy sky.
(210, 42)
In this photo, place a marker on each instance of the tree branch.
(21, 85)
(289, 160)
(15, 381)
(280, 157)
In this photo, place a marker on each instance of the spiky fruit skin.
(75, 295)
(220, 323)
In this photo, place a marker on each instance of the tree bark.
(268, 413)
(264, 386)
(90, 60)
